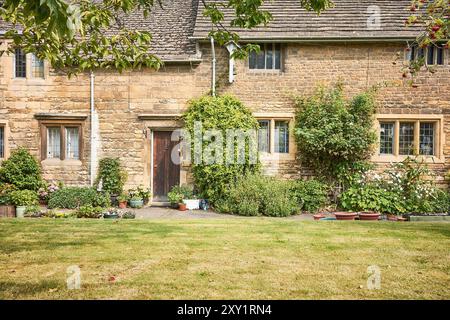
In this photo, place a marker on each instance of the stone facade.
(121, 98)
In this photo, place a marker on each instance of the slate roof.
(171, 26)
(177, 26)
(347, 20)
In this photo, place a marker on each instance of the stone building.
(69, 124)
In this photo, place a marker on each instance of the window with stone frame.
(268, 58)
(409, 137)
(61, 140)
(274, 136)
(20, 63)
(432, 55)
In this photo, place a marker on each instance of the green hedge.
(312, 194)
(256, 195)
(75, 197)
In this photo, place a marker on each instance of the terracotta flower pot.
(346, 216)
(369, 216)
(123, 204)
(182, 207)
(392, 217)
(318, 216)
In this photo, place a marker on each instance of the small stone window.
(268, 58)
(28, 65)
(61, 141)
(410, 137)
(20, 64)
(433, 55)
(274, 136)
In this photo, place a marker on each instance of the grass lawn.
(233, 258)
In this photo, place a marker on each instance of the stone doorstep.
(429, 218)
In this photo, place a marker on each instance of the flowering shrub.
(403, 188)
(46, 192)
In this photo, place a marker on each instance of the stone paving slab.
(169, 213)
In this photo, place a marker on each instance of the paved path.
(168, 213)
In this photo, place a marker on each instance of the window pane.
(20, 64)
(72, 143)
(426, 139)
(387, 138)
(37, 67)
(278, 56)
(430, 55)
(261, 59)
(252, 60)
(421, 53)
(440, 56)
(406, 139)
(2, 142)
(281, 137)
(53, 143)
(269, 57)
(264, 136)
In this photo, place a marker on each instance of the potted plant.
(346, 216)
(123, 200)
(136, 202)
(369, 216)
(182, 206)
(144, 194)
(111, 214)
(128, 215)
(23, 198)
(175, 197)
(7, 209)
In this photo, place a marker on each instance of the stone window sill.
(392, 158)
(61, 163)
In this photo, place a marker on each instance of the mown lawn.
(247, 258)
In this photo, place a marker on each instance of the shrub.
(178, 193)
(255, 195)
(33, 211)
(56, 215)
(75, 197)
(403, 188)
(111, 176)
(89, 212)
(5, 193)
(371, 197)
(22, 170)
(335, 135)
(24, 197)
(311, 194)
(128, 215)
(221, 114)
(140, 192)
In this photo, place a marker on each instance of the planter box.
(192, 204)
(429, 218)
(345, 216)
(7, 212)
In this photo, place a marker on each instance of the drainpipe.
(213, 82)
(92, 164)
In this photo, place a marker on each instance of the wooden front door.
(166, 173)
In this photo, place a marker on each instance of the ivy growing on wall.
(335, 135)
